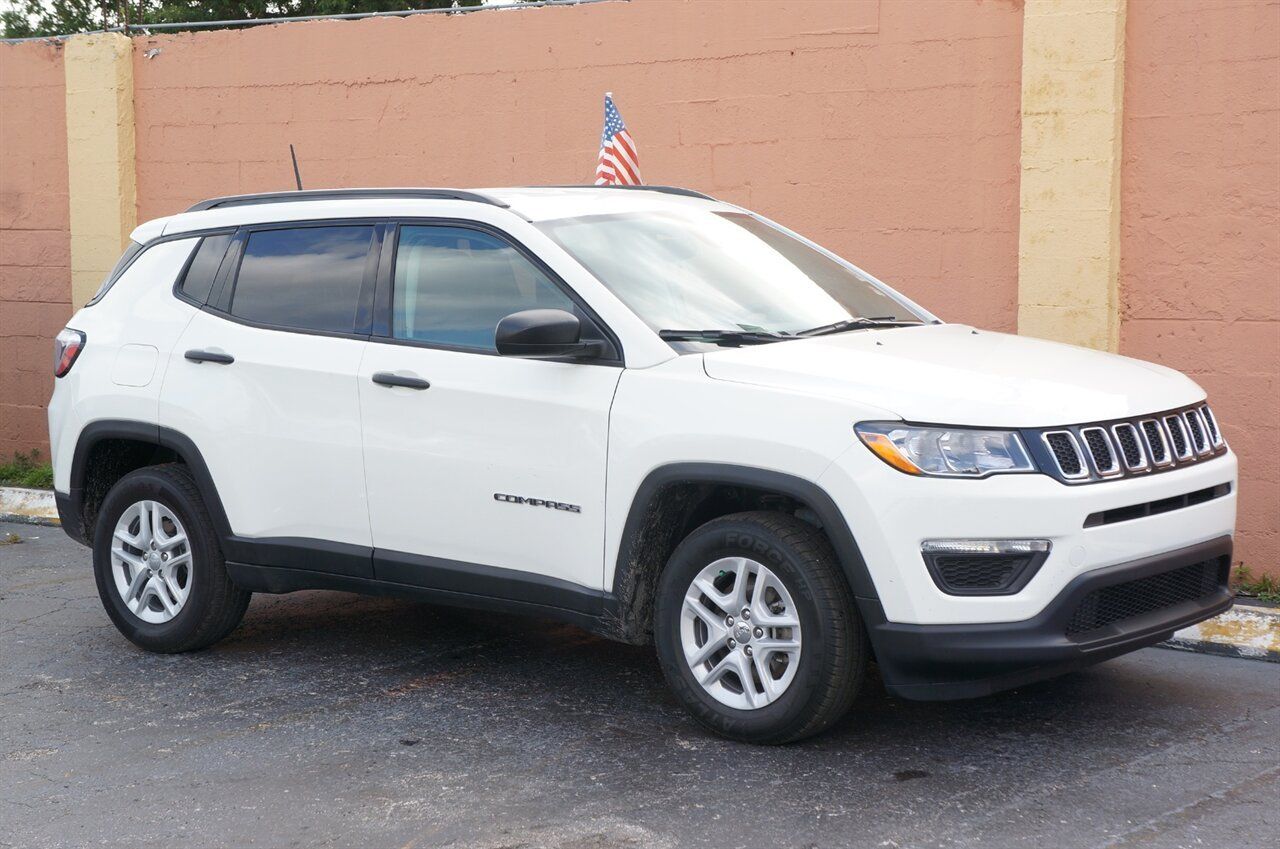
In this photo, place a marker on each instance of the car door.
(263, 382)
(485, 473)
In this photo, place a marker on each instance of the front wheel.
(159, 566)
(756, 628)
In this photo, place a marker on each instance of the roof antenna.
(297, 178)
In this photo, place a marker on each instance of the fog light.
(983, 566)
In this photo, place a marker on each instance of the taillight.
(67, 345)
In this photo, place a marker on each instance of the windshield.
(730, 271)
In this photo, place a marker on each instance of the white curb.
(33, 506)
(1246, 630)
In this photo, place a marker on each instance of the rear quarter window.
(200, 274)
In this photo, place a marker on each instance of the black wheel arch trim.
(804, 491)
(626, 595)
(153, 434)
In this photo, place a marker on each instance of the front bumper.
(70, 517)
(892, 514)
(933, 662)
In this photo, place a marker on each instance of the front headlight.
(950, 452)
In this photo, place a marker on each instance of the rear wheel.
(756, 629)
(158, 565)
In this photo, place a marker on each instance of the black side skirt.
(286, 565)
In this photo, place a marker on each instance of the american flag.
(618, 165)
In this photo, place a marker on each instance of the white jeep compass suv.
(648, 413)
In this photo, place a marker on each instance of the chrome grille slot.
(1130, 445)
(1066, 452)
(1157, 444)
(1212, 424)
(1178, 436)
(1104, 457)
(1195, 427)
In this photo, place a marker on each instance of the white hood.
(953, 374)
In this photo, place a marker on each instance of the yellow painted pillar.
(1069, 228)
(100, 156)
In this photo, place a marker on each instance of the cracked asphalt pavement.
(332, 720)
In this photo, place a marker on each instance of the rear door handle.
(197, 356)
(386, 378)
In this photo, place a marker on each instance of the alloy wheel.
(151, 562)
(740, 632)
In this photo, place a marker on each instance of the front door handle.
(197, 356)
(386, 378)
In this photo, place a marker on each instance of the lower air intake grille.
(1109, 605)
(978, 573)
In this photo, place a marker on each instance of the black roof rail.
(666, 190)
(344, 194)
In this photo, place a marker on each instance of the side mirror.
(543, 334)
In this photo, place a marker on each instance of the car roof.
(533, 203)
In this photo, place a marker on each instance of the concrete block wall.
(1102, 172)
(1200, 235)
(887, 131)
(35, 246)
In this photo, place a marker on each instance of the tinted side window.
(308, 278)
(453, 285)
(204, 267)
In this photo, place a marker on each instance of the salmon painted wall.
(888, 131)
(35, 242)
(1200, 226)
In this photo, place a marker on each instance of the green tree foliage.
(29, 18)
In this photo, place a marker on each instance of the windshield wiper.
(859, 323)
(730, 338)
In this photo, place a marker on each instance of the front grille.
(1095, 439)
(1156, 443)
(1092, 452)
(1128, 600)
(1178, 435)
(1212, 423)
(1065, 452)
(1199, 441)
(1130, 445)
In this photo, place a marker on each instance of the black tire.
(834, 644)
(214, 606)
